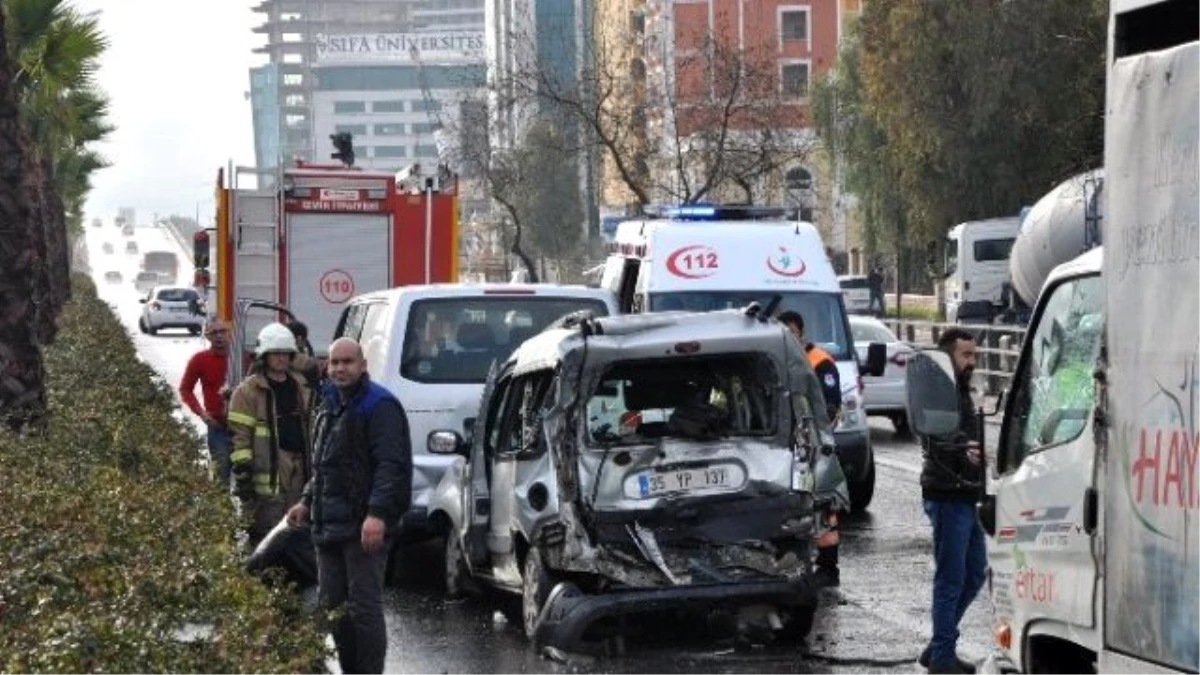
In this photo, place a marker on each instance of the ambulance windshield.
(824, 319)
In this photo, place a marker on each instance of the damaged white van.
(639, 463)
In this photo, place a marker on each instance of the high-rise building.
(542, 44)
(386, 71)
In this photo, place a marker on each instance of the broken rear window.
(703, 398)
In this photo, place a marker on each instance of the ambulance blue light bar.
(716, 212)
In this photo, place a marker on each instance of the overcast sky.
(177, 72)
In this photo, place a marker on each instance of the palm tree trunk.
(58, 257)
(22, 373)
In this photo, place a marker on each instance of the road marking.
(907, 467)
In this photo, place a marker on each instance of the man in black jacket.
(361, 486)
(951, 482)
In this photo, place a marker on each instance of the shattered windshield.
(696, 399)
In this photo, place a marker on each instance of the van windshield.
(455, 340)
(695, 399)
(824, 317)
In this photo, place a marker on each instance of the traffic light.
(200, 250)
(343, 142)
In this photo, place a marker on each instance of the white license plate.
(715, 478)
(179, 310)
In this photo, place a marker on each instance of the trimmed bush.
(114, 545)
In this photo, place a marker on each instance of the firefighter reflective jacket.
(257, 457)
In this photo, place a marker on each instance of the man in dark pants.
(951, 482)
(361, 485)
(875, 287)
(825, 367)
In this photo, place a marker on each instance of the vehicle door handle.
(986, 511)
(1091, 510)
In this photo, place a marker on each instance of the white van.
(704, 258)
(432, 346)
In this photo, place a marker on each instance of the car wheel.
(151, 329)
(900, 423)
(142, 325)
(457, 575)
(800, 623)
(194, 331)
(535, 588)
(861, 491)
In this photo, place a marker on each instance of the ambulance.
(703, 258)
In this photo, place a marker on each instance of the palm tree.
(57, 50)
(22, 376)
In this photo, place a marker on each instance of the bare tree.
(678, 123)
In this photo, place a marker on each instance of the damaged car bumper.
(569, 612)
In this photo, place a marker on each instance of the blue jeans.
(220, 446)
(960, 553)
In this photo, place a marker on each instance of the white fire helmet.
(275, 337)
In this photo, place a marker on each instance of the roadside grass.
(114, 543)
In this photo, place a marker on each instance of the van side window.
(351, 324)
(495, 416)
(523, 412)
(1053, 392)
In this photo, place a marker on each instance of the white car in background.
(171, 307)
(883, 396)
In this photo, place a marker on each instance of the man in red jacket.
(208, 367)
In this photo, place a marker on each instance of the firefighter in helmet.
(270, 419)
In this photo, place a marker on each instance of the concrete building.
(674, 54)
(348, 65)
(533, 41)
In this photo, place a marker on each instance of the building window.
(800, 194)
(419, 128)
(349, 107)
(793, 79)
(426, 150)
(352, 129)
(391, 151)
(293, 80)
(432, 105)
(793, 24)
(387, 107)
(389, 129)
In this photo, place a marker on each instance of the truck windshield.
(695, 399)
(824, 317)
(159, 261)
(951, 263)
(455, 340)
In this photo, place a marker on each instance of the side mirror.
(876, 359)
(446, 443)
(931, 394)
(142, 300)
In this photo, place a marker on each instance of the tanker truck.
(1094, 485)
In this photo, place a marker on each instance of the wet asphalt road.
(878, 621)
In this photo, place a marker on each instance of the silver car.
(883, 396)
(633, 464)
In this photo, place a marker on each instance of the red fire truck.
(321, 235)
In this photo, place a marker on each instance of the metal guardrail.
(999, 346)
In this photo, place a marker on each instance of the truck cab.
(704, 258)
(976, 268)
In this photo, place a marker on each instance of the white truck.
(976, 268)
(1092, 501)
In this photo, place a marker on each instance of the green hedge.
(112, 539)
